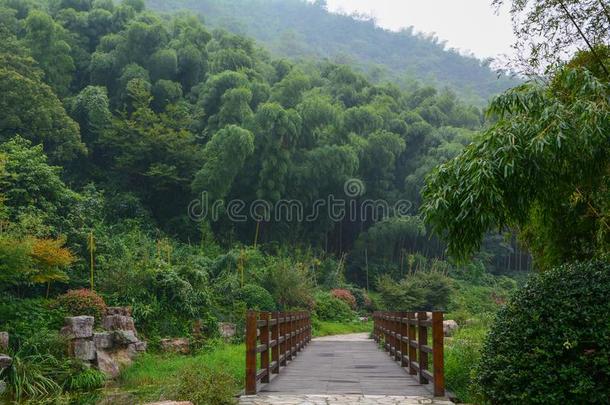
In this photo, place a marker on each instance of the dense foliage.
(300, 29)
(550, 343)
(543, 167)
(126, 136)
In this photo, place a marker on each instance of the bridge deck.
(349, 364)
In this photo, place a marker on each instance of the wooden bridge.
(403, 361)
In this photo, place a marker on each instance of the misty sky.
(469, 25)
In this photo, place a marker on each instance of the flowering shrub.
(363, 301)
(345, 296)
(82, 302)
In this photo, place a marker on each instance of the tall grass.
(162, 376)
(462, 355)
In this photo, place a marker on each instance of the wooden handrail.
(281, 335)
(405, 336)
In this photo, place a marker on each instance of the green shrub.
(33, 324)
(82, 302)
(329, 308)
(462, 355)
(426, 290)
(363, 301)
(256, 297)
(203, 385)
(290, 285)
(85, 379)
(551, 343)
(35, 376)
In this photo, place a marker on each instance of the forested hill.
(298, 29)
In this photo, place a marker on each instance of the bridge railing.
(405, 336)
(276, 337)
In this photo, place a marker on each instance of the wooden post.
(437, 354)
(298, 331)
(275, 350)
(412, 350)
(290, 329)
(375, 326)
(404, 339)
(397, 340)
(266, 316)
(422, 340)
(283, 337)
(251, 329)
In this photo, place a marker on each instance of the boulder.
(123, 311)
(449, 327)
(103, 340)
(5, 361)
(124, 337)
(227, 330)
(111, 362)
(2, 387)
(140, 346)
(3, 341)
(107, 364)
(83, 349)
(179, 345)
(119, 322)
(78, 327)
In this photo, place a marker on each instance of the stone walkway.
(344, 369)
(265, 399)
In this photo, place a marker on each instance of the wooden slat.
(261, 373)
(425, 348)
(428, 376)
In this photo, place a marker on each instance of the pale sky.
(468, 25)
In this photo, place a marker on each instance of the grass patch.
(462, 355)
(156, 376)
(327, 328)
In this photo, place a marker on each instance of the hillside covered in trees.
(156, 162)
(298, 29)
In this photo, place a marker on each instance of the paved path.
(343, 369)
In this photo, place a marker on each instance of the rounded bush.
(551, 343)
(82, 302)
(363, 301)
(329, 308)
(256, 297)
(345, 296)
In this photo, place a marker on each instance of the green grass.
(324, 328)
(152, 375)
(462, 354)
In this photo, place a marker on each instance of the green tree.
(224, 156)
(277, 132)
(542, 168)
(31, 109)
(46, 40)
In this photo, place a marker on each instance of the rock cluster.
(109, 350)
(5, 360)
(176, 345)
(227, 330)
(449, 327)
